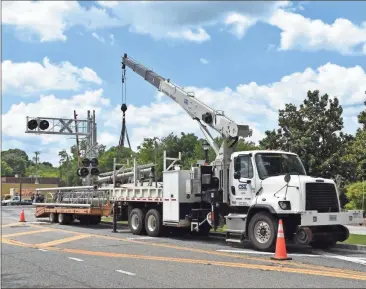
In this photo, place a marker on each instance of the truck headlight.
(285, 205)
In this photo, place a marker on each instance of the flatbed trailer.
(87, 204)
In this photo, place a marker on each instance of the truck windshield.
(275, 164)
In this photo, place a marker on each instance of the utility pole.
(36, 158)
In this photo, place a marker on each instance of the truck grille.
(321, 197)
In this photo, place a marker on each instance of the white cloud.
(30, 77)
(49, 20)
(204, 61)
(14, 121)
(178, 20)
(108, 139)
(109, 4)
(199, 36)
(299, 32)
(111, 36)
(240, 24)
(98, 37)
(252, 104)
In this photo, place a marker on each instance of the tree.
(16, 159)
(356, 149)
(313, 131)
(354, 193)
(6, 170)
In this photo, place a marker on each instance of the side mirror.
(287, 178)
(236, 164)
(237, 175)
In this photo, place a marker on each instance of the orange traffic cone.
(22, 217)
(280, 253)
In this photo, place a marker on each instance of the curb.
(219, 235)
(348, 247)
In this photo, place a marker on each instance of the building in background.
(11, 185)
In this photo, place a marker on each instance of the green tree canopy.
(314, 132)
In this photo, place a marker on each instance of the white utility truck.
(249, 190)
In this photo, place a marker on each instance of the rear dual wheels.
(53, 218)
(141, 223)
(65, 219)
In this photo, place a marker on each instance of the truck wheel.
(153, 223)
(53, 218)
(64, 219)
(262, 231)
(84, 220)
(94, 220)
(136, 221)
(323, 245)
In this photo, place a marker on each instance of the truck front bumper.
(313, 218)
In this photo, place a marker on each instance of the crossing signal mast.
(86, 128)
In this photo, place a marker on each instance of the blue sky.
(245, 58)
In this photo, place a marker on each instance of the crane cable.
(124, 109)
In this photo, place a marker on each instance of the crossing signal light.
(83, 172)
(94, 172)
(86, 162)
(94, 162)
(33, 124)
(44, 124)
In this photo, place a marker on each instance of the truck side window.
(246, 167)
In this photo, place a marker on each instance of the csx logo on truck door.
(242, 186)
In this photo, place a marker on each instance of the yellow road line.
(62, 241)
(212, 252)
(12, 224)
(231, 255)
(16, 243)
(346, 275)
(356, 275)
(27, 233)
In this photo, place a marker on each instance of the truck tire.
(136, 221)
(262, 231)
(153, 224)
(53, 218)
(64, 219)
(95, 220)
(84, 220)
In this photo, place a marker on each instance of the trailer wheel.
(136, 221)
(64, 219)
(153, 223)
(84, 220)
(53, 218)
(95, 220)
(262, 231)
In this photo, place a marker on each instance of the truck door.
(244, 186)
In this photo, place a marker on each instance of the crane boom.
(194, 107)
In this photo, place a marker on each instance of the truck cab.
(266, 186)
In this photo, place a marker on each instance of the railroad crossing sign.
(60, 126)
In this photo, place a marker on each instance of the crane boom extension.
(195, 108)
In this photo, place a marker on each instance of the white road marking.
(76, 259)
(43, 250)
(141, 238)
(350, 259)
(361, 261)
(127, 273)
(264, 253)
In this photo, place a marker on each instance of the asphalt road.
(39, 254)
